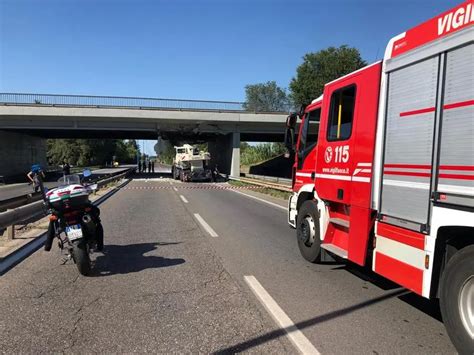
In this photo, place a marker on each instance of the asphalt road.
(160, 287)
(14, 190)
(168, 283)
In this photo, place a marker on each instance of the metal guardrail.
(125, 102)
(22, 200)
(20, 214)
(117, 101)
(271, 185)
(275, 179)
(19, 201)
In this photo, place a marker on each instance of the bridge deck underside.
(152, 134)
(80, 122)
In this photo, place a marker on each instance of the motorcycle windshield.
(70, 180)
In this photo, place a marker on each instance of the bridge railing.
(118, 101)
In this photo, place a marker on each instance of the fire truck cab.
(389, 182)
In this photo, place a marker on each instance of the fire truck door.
(456, 155)
(334, 167)
(410, 118)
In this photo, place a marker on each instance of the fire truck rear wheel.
(307, 232)
(457, 299)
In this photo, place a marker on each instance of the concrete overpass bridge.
(26, 119)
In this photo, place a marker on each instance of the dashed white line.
(183, 198)
(260, 199)
(295, 335)
(206, 226)
(175, 189)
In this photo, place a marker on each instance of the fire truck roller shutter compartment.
(408, 149)
(456, 161)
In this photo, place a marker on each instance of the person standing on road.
(153, 166)
(149, 166)
(215, 173)
(34, 175)
(66, 168)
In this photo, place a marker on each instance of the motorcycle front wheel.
(80, 254)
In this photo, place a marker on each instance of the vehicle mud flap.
(326, 257)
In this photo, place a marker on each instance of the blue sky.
(201, 49)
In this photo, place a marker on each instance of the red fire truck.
(389, 180)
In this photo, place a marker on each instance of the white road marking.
(260, 199)
(147, 179)
(295, 335)
(183, 198)
(206, 226)
(175, 189)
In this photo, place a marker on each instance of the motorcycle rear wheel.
(80, 254)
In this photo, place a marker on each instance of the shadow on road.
(125, 259)
(151, 175)
(429, 307)
(247, 345)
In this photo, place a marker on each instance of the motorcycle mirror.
(86, 173)
(92, 188)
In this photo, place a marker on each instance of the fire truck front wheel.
(457, 299)
(307, 232)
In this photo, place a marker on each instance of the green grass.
(266, 190)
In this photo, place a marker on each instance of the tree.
(252, 154)
(320, 68)
(84, 152)
(126, 151)
(265, 97)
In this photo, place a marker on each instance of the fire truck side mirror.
(290, 134)
(291, 120)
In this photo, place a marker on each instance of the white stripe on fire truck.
(463, 190)
(334, 177)
(358, 170)
(343, 177)
(425, 186)
(304, 174)
(401, 252)
(411, 184)
(360, 179)
(364, 164)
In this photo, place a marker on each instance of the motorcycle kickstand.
(66, 259)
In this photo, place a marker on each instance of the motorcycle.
(74, 215)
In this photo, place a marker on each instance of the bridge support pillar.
(19, 151)
(225, 152)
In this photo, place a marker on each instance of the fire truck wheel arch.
(457, 299)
